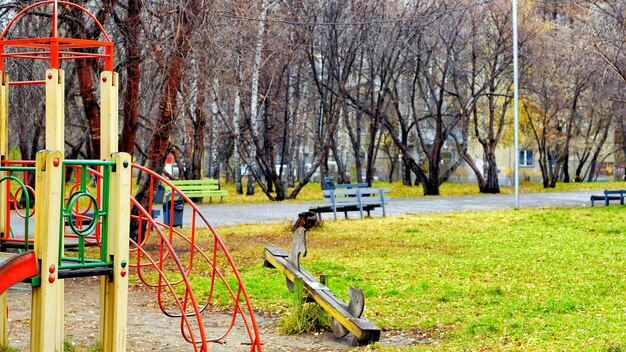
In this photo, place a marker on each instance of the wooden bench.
(608, 196)
(201, 188)
(352, 199)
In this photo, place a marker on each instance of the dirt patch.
(150, 330)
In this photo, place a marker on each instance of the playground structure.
(346, 316)
(102, 216)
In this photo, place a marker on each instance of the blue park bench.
(608, 196)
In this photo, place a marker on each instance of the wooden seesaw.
(346, 316)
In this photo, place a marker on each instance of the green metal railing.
(25, 193)
(84, 224)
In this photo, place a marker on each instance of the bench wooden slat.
(351, 185)
(352, 199)
(204, 181)
(204, 188)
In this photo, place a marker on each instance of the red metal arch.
(55, 48)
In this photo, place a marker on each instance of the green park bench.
(205, 188)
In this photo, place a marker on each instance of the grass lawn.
(532, 279)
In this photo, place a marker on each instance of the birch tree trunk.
(237, 129)
(214, 161)
(199, 125)
(254, 95)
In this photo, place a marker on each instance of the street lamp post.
(516, 102)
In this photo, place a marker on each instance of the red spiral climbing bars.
(172, 262)
(166, 258)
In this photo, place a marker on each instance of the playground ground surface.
(149, 330)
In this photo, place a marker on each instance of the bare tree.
(439, 107)
(490, 71)
(130, 29)
(87, 70)
(185, 14)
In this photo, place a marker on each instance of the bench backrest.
(204, 181)
(366, 196)
(204, 184)
(619, 192)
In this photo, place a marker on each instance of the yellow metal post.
(4, 141)
(114, 293)
(4, 152)
(108, 114)
(55, 110)
(47, 306)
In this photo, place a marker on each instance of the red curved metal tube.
(54, 13)
(218, 261)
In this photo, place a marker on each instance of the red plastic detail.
(55, 162)
(51, 279)
(52, 269)
(123, 273)
(104, 79)
(49, 75)
(16, 269)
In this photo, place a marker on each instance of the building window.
(526, 158)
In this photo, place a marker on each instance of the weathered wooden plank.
(277, 251)
(363, 329)
(282, 265)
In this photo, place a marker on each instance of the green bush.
(304, 319)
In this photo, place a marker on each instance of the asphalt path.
(220, 215)
(233, 214)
